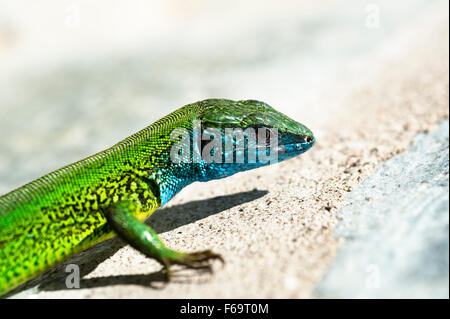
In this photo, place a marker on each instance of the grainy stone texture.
(396, 226)
(364, 92)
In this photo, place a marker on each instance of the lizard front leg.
(143, 238)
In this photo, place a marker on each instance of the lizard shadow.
(163, 220)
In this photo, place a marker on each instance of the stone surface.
(396, 226)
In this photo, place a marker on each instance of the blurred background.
(77, 76)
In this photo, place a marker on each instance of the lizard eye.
(267, 135)
(264, 135)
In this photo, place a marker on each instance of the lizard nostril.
(309, 139)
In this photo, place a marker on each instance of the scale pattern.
(60, 214)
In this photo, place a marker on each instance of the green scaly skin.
(112, 192)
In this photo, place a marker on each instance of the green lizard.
(112, 192)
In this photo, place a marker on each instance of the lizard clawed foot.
(195, 260)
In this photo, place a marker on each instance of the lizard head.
(226, 137)
(255, 133)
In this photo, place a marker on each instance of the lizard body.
(112, 192)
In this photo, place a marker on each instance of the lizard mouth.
(284, 150)
(295, 148)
